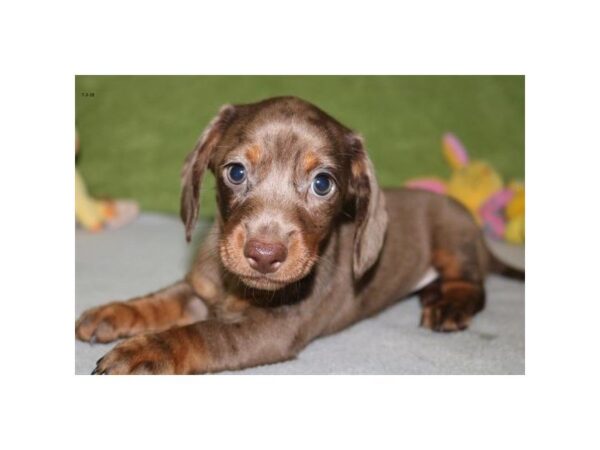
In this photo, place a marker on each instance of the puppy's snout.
(266, 257)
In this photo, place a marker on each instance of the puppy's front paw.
(106, 323)
(141, 355)
(445, 316)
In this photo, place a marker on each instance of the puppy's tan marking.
(457, 285)
(448, 263)
(310, 161)
(253, 154)
(358, 168)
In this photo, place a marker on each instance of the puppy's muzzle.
(265, 257)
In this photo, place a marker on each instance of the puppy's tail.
(501, 268)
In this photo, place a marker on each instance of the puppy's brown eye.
(322, 185)
(236, 173)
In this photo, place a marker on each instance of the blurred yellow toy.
(477, 185)
(515, 215)
(93, 214)
(473, 182)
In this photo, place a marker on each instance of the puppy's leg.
(209, 346)
(450, 302)
(176, 305)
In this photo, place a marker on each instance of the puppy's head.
(286, 172)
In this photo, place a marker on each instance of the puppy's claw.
(97, 371)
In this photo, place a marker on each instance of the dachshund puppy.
(304, 244)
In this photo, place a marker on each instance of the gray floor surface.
(151, 253)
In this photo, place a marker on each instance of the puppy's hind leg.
(450, 302)
(176, 305)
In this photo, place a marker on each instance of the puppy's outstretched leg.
(176, 305)
(211, 346)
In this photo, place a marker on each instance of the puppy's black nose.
(266, 257)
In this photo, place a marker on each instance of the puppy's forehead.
(284, 143)
(283, 130)
(282, 140)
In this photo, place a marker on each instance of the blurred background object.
(497, 207)
(138, 129)
(95, 214)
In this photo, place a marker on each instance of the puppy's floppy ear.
(371, 215)
(195, 165)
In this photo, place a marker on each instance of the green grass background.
(136, 130)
